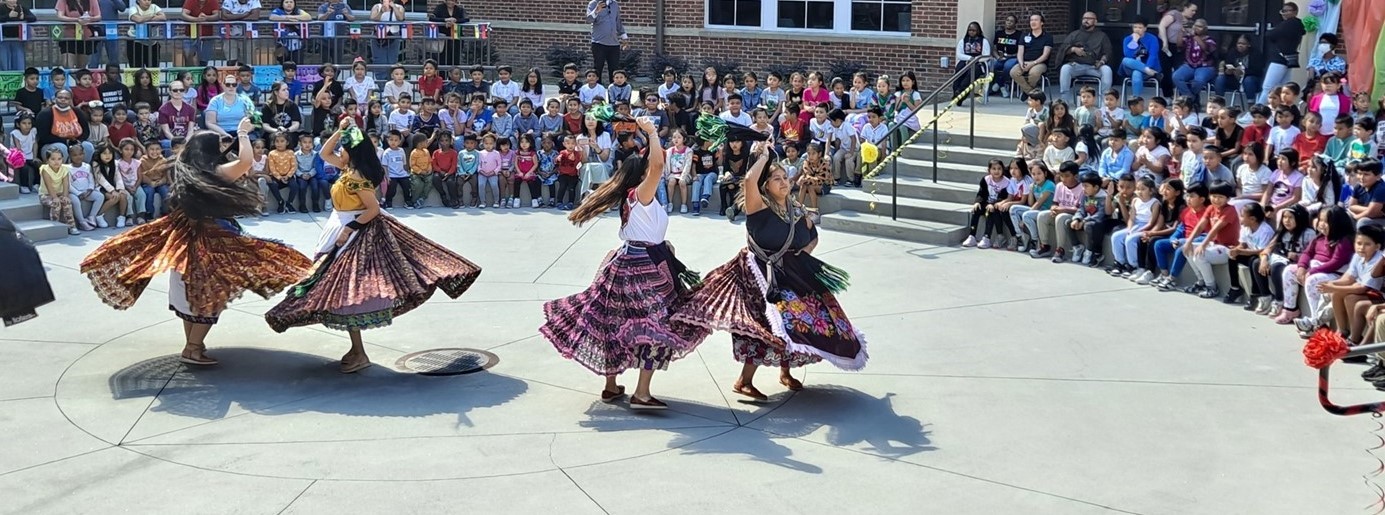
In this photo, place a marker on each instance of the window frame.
(841, 21)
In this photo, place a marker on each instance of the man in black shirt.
(1035, 49)
(113, 92)
(29, 98)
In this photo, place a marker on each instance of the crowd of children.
(1294, 198)
(476, 143)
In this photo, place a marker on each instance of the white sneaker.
(971, 242)
(683, 210)
(1077, 252)
(1023, 246)
(1136, 274)
(1144, 278)
(25, 190)
(985, 243)
(120, 221)
(73, 231)
(100, 221)
(1087, 257)
(495, 206)
(1005, 92)
(515, 203)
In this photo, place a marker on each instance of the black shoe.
(280, 210)
(1379, 385)
(317, 208)
(1208, 292)
(290, 209)
(1360, 360)
(1375, 373)
(1233, 296)
(1096, 261)
(302, 208)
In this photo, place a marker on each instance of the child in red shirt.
(1222, 226)
(84, 92)
(567, 163)
(430, 84)
(445, 171)
(1310, 142)
(1259, 129)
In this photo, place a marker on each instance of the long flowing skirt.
(214, 260)
(621, 321)
(795, 331)
(23, 284)
(384, 270)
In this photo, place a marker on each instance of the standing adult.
(61, 125)
(111, 11)
(1085, 53)
(14, 19)
(334, 10)
(197, 50)
(143, 52)
(1035, 49)
(608, 36)
(1281, 49)
(243, 11)
(449, 14)
(384, 49)
(75, 43)
(1171, 33)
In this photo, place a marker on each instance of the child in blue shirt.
(468, 163)
(1115, 160)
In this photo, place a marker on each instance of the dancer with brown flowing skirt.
(620, 322)
(370, 268)
(210, 259)
(774, 297)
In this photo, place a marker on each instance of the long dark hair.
(142, 73)
(1175, 210)
(1331, 180)
(106, 170)
(1339, 225)
(613, 192)
(366, 162)
(538, 85)
(199, 191)
(1300, 215)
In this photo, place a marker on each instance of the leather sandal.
(749, 390)
(646, 404)
(608, 396)
(204, 360)
(792, 384)
(351, 368)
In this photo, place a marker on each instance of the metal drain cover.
(447, 362)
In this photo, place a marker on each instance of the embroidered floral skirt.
(621, 321)
(214, 261)
(798, 330)
(384, 270)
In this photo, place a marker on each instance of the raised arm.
(753, 201)
(654, 162)
(332, 152)
(245, 153)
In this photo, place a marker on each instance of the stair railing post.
(935, 142)
(894, 189)
(971, 102)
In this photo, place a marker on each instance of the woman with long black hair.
(210, 259)
(774, 297)
(620, 322)
(370, 268)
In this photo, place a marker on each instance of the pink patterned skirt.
(621, 321)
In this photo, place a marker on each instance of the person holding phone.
(608, 36)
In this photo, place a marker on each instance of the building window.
(880, 15)
(738, 13)
(834, 16)
(797, 14)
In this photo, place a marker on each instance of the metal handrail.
(894, 134)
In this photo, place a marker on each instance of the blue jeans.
(1135, 69)
(12, 55)
(1172, 259)
(149, 193)
(1002, 67)
(662, 193)
(1190, 82)
(1250, 86)
(202, 47)
(112, 50)
(386, 53)
(703, 186)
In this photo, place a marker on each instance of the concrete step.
(947, 172)
(921, 188)
(909, 208)
(21, 209)
(959, 136)
(959, 154)
(42, 230)
(8, 191)
(917, 231)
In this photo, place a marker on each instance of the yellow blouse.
(55, 177)
(344, 192)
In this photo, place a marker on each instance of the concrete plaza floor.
(997, 384)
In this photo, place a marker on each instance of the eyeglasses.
(177, 90)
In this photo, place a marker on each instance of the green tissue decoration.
(711, 128)
(835, 279)
(353, 136)
(1310, 23)
(690, 279)
(603, 113)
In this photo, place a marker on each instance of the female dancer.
(25, 286)
(211, 261)
(370, 268)
(621, 321)
(775, 298)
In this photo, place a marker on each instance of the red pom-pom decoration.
(1325, 347)
(15, 158)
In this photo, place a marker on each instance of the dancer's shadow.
(695, 435)
(276, 382)
(852, 417)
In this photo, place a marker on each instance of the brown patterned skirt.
(215, 259)
(798, 330)
(385, 270)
